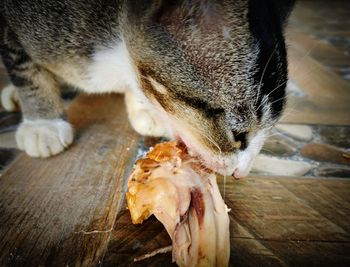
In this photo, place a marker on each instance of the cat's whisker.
(204, 135)
(268, 150)
(263, 73)
(285, 114)
(273, 134)
(291, 110)
(307, 54)
(279, 99)
(224, 187)
(302, 79)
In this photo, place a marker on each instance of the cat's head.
(216, 71)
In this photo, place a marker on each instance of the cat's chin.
(237, 165)
(223, 164)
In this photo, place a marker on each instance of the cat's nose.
(240, 140)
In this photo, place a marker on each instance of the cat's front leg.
(44, 131)
(44, 138)
(143, 119)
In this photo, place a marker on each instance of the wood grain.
(60, 211)
(322, 104)
(273, 222)
(314, 63)
(322, 17)
(70, 209)
(321, 51)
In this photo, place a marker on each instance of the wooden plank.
(271, 207)
(60, 211)
(322, 17)
(322, 104)
(321, 51)
(316, 79)
(311, 55)
(310, 253)
(273, 222)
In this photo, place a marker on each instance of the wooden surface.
(321, 104)
(315, 63)
(70, 209)
(273, 222)
(60, 211)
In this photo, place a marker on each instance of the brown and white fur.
(209, 73)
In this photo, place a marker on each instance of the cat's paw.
(146, 124)
(44, 138)
(142, 118)
(9, 98)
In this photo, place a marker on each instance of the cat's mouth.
(223, 164)
(199, 144)
(234, 165)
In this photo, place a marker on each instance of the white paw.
(145, 124)
(9, 97)
(44, 138)
(142, 118)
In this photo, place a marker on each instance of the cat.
(209, 73)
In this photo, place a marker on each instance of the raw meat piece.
(185, 198)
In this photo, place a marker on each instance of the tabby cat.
(210, 73)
